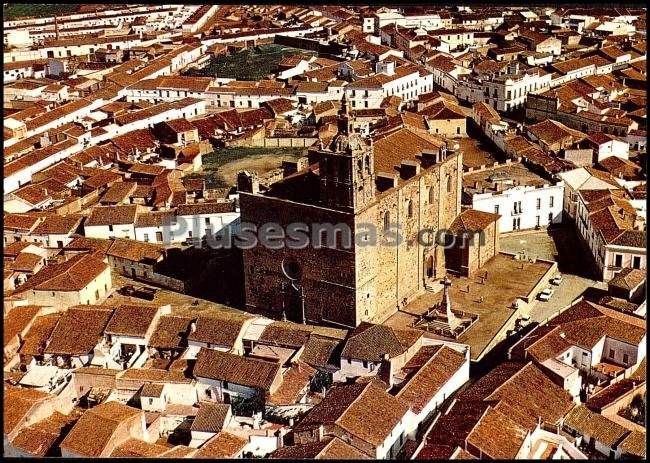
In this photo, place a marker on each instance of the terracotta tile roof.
(220, 330)
(598, 427)
(150, 375)
(140, 139)
(370, 342)
(146, 169)
(497, 436)
(17, 320)
(152, 390)
(550, 131)
(530, 392)
(178, 451)
(583, 325)
(136, 251)
(211, 417)
(58, 225)
(131, 320)
(235, 369)
(295, 380)
(403, 144)
(223, 445)
(634, 444)
(79, 330)
(206, 208)
(118, 192)
(154, 219)
(327, 449)
(285, 334)
(101, 423)
(136, 448)
(320, 352)
(170, 333)
(15, 248)
(373, 415)
(25, 262)
(443, 110)
(39, 333)
(40, 439)
(17, 403)
(102, 178)
(72, 275)
(611, 394)
(97, 246)
(621, 168)
(429, 379)
(21, 222)
(112, 215)
(628, 278)
(472, 220)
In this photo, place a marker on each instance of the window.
(449, 184)
(550, 201)
(96, 294)
(207, 220)
(386, 220)
(146, 237)
(539, 203)
(636, 262)
(496, 208)
(537, 221)
(618, 260)
(431, 195)
(110, 228)
(457, 130)
(550, 217)
(365, 364)
(611, 353)
(626, 358)
(150, 401)
(410, 208)
(514, 224)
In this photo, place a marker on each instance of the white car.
(546, 294)
(556, 280)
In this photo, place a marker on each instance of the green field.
(36, 10)
(250, 64)
(221, 167)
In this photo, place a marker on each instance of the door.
(429, 267)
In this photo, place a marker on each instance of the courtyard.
(562, 245)
(490, 294)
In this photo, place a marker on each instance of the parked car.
(556, 280)
(546, 294)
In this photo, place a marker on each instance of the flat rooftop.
(510, 175)
(507, 280)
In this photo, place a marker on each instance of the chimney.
(409, 169)
(385, 181)
(193, 327)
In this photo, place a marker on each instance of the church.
(403, 181)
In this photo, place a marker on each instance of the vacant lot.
(250, 64)
(222, 166)
(35, 10)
